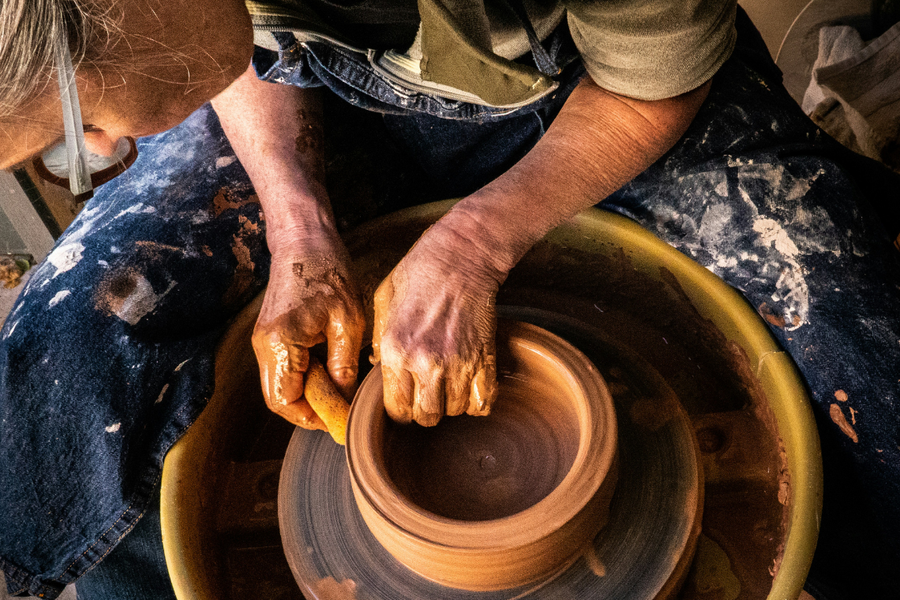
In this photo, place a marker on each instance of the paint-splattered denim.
(804, 229)
(107, 356)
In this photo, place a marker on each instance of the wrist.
(490, 232)
(298, 225)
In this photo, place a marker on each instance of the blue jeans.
(136, 570)
(107, 356)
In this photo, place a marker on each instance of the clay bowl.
(490, 503)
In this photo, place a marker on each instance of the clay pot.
(491, 503)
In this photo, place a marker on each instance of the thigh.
(135, 569)
(107, 356)
(758, 195)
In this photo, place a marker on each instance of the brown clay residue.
(841, 395)
(329, 589)
(114, 289)
(226, 200)
(784, 492)
(247, 239)
(593, 561)
(243, 274)
(248, 226)
(246, 243)
(149, 250)
(769, 315)
(840, 420)
(766, 312)
(242, 253)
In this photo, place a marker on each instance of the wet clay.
(481, 468)
(490, 503)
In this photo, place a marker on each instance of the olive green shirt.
(465, 49)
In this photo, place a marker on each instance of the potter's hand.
(435, 327)
(310, 299)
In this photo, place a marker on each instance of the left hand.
(434, 332)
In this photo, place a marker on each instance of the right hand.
(311, 299)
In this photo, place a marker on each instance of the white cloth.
(854, 93)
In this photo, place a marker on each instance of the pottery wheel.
(642, 553)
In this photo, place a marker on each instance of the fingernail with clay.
(345, 375)
(428, 419)
(482, 396)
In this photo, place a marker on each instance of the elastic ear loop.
(79, 176)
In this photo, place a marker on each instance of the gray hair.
(29, 31)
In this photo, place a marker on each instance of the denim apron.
(107, 356)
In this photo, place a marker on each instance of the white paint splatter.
(11, 329)
(133, 209)
(65, 258)
(113, 428)
(722, 189)
(224, 161)
(59, 297)
(771, 233)
(726, 262)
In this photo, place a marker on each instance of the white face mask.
(70, 163)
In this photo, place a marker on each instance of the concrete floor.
(773, 19)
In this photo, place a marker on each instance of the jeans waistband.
(352, 75)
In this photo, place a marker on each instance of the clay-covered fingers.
(426, 393)
(282, 369)
(344, 333)
(398, 394)
(415, 396)
(483, 389)
(434, 335)
(311, 300)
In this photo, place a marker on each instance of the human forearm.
(434, 317)
(276, 132)
(599, 142)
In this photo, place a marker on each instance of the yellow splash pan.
(189, 475)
